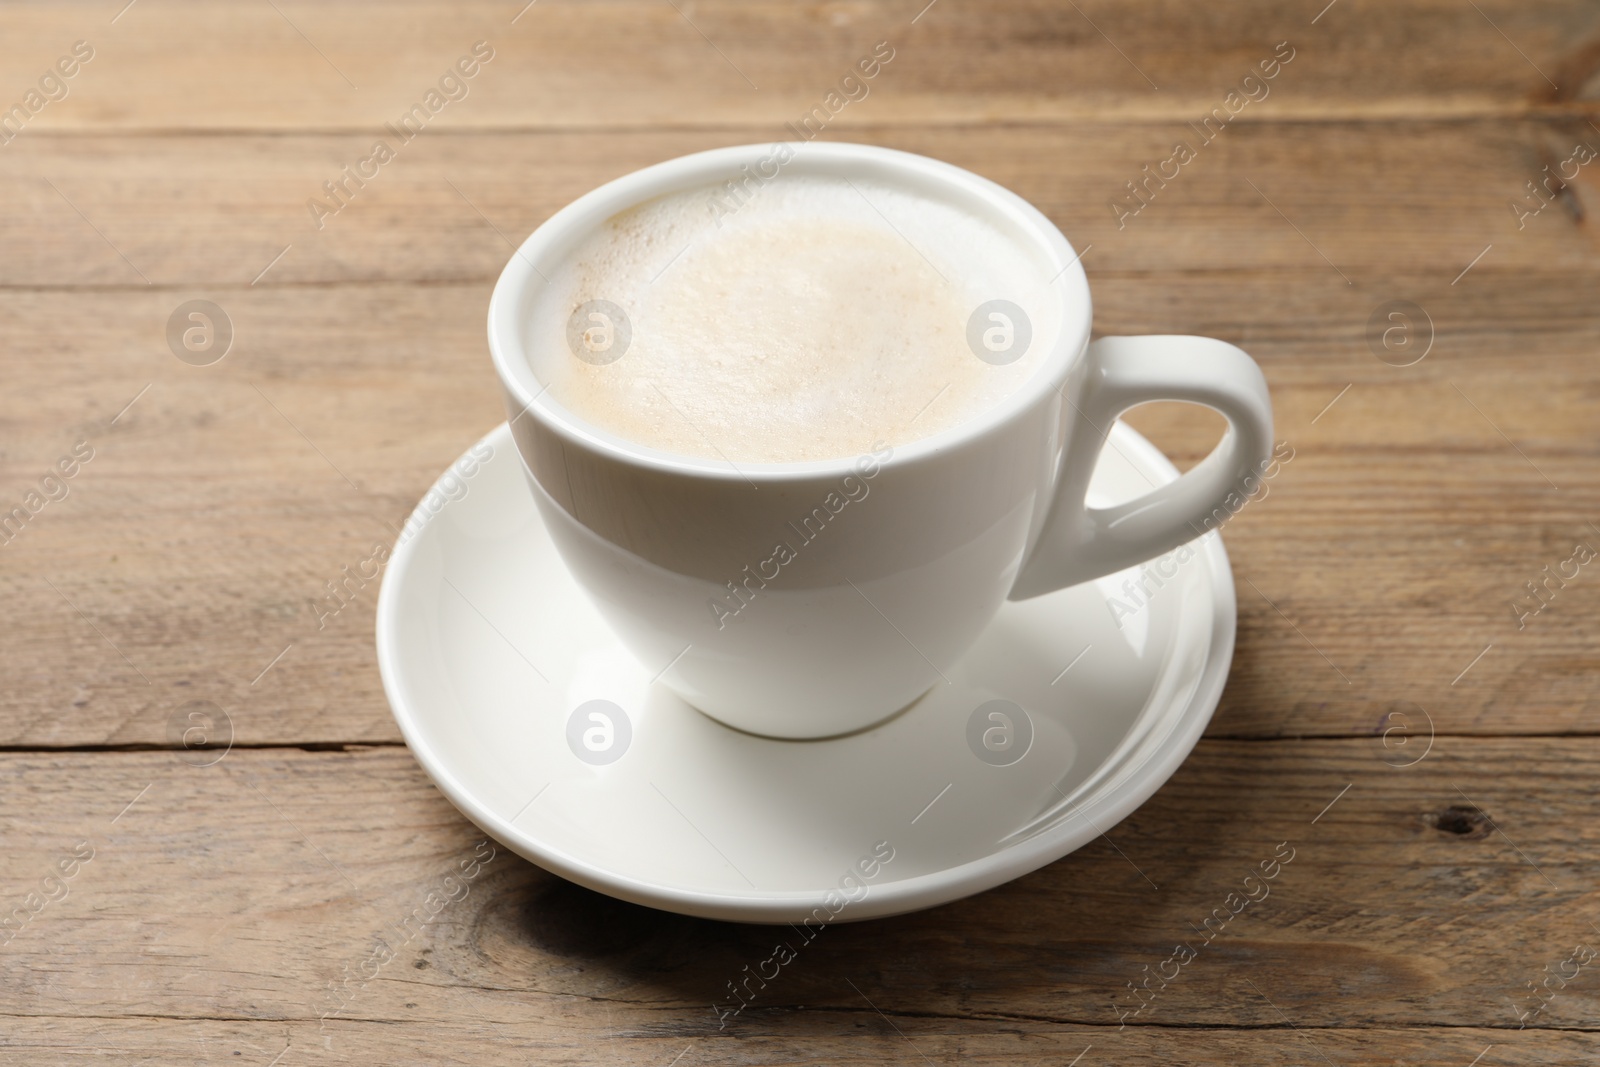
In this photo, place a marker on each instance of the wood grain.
(217, 507)
(215, 213)
(485, 1029)
(226, 496)
(640, 65)
(1426, 757)
(1409, 896)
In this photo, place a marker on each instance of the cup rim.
(593, 209)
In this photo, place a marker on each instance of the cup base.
(873, 725)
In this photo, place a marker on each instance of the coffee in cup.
(825, 315)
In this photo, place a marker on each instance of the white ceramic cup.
(895, 561)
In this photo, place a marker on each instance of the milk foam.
(818, 318)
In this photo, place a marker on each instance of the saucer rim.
(1105, 806)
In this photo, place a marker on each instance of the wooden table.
(1426, 747)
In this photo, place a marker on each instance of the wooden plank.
(494, 1027)
(297, 65)
(216, 507)
(205, 212)
(208, 523)
(241, 891)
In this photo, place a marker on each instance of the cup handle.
(1076, 542)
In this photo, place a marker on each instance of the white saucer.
(488, 648)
